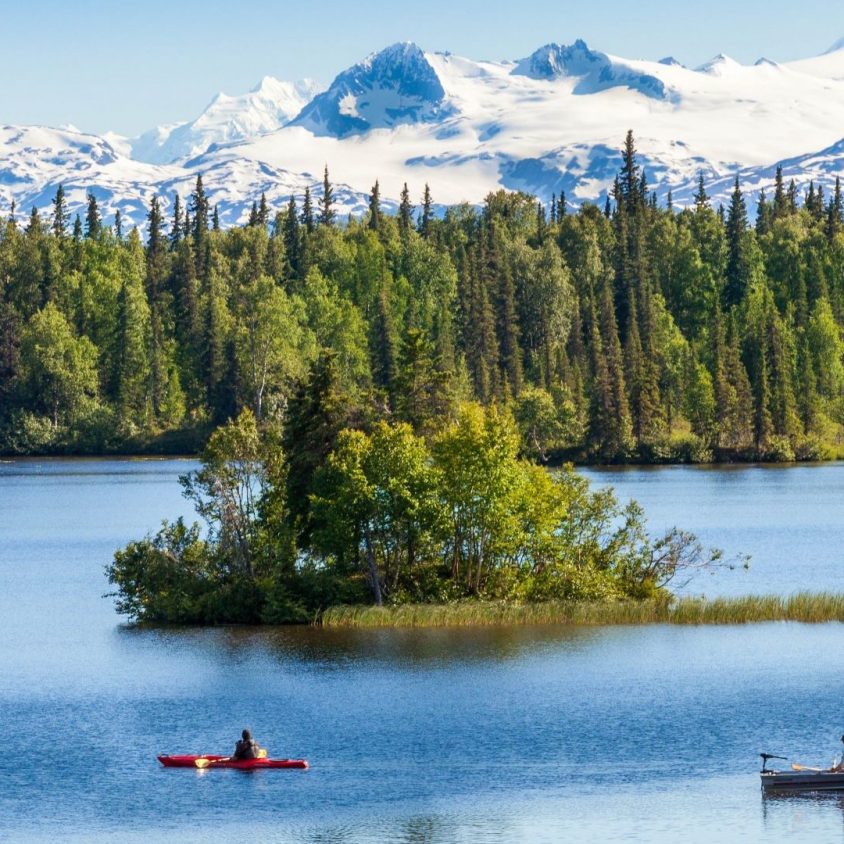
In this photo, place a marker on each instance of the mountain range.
(551, 122)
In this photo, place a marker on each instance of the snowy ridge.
(269, 106)
(34, 161)
(551, 122)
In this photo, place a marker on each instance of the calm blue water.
(543, 734)
(790, 519)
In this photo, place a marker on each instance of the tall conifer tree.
(93, 223)
(326, 210)
(61, 214)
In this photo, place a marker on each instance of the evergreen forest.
(631, 332)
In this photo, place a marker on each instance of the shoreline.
(554, 464)
(802, 607)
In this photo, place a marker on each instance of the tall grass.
(803, 607)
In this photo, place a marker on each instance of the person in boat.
(247, 747)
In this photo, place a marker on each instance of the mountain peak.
(267, 83)
(270, 105)
(392, 86)
(400, 51)
(594, 71)
(554, 61)
(718, 64)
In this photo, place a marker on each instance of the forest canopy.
(637, 331)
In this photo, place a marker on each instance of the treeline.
(629, 332)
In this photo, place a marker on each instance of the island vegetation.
(634, 332)
(333, 513)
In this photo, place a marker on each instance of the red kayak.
(209, 761)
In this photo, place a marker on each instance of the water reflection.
(800, 810)
(327, 648)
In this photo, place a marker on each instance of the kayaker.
(247, 747)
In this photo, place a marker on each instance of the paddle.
(202, 763)
(205, 763)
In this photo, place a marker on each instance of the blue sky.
(103, 65)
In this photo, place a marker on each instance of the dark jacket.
(246, 749)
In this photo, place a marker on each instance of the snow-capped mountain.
(550, 122)
(34, 161)
(270, 105)
(387, 89)
(593, 71)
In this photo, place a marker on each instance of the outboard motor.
(767, 756)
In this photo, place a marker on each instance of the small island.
(329, 515)
(343, 526)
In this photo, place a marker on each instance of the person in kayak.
(247, 747)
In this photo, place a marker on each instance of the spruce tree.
(835, 211)
(131, 374)
(263, 211)
(541, 223)
(784, 413)
(807, 388)
(61, 214)
(763, 427)
(33, 227)
(155, 231)
(215, 219)
(733, 396)
(737, 272)
(176, 225)
(811, 198)
(427, 214)
(630, 177)
(307, 211)
(480, 342)
(118, 225)
(780, 199)
(405, 211)
(561, 206)
(507, 322)
(421, 393)
(610, 431)
(318, 410)
(93, 222)
(791, 197)
(199, 214)
(375, 207)
(156, 277)
(384, 348)
(640, 370)
(326, 209)
(701, 199)
(216, 349)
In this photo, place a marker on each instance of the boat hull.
(775, 781)
(225, 762)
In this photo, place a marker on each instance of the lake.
(536, 734)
